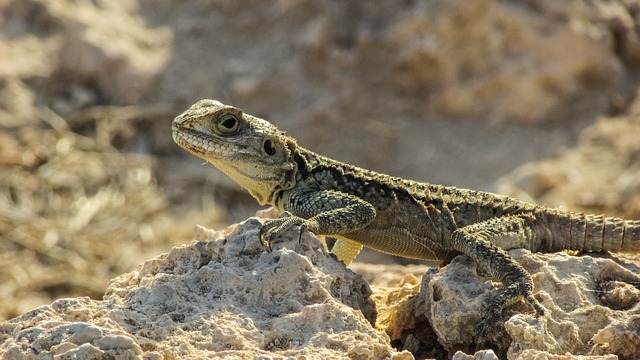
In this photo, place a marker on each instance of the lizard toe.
(491, 332)
(265, 237)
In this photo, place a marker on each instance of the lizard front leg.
(325, 212)
(478, 241)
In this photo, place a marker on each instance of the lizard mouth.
(207, 147)
(195, 142)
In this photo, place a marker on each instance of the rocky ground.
(537, 99)
(224, 296)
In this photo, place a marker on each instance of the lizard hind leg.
(483, 243)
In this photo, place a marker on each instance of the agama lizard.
(413, 219)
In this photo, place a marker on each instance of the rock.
(76, 54)
(600, 174)
(468, 58)
(69, 328)
(480, 355)
(394, 304)
(582, 319)
(223, 295)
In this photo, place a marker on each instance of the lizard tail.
(596, 233)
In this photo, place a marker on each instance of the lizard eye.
(268, 147)
(228, 123)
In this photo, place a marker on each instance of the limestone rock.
(480, 355)
(582, 319)
(223, 295)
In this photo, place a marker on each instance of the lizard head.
(251, 151)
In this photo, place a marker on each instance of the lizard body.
(407, 218)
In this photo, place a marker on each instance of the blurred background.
(533, 98)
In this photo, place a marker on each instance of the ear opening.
(291, 146)
(289, 179)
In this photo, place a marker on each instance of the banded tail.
(577, 231)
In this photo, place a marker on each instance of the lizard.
(412, 219)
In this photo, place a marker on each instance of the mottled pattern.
(401, 217)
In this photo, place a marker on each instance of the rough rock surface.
(417, 89)
(224, 295)
(593, 306)
(220, 296)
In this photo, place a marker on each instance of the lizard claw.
(273, 228)
(303, 228)
(265, 237)
(540, 310)
(491, 332)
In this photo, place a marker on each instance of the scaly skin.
(360, 207)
